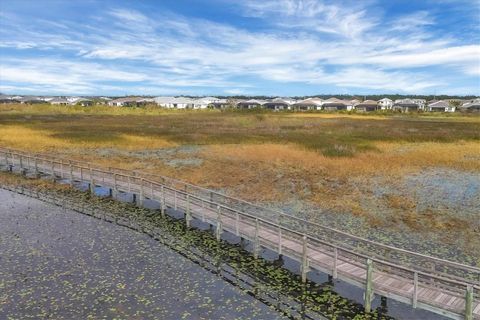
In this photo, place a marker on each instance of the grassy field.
(370, 168)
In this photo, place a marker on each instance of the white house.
(419, 102)
(250, 104)
(174, 102)
(385, 104)
(278, 104)
(309, 104)
(59, 101)
(440, 106)
(128, 101)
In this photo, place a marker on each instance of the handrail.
(379, 261)
(88, 166)
(445, 280)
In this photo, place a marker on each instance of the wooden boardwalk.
(429, 283)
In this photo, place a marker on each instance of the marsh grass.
(325, 159)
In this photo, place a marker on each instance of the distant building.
(59, 101)
(419, 102)
(278, 104)
(175, 102)
(30, 100)
(385, 104)
(250, 104)
(129, 102)
(471, 106)
(8, 99)
(334, 104)
(308, 104)
(367, 105)
(440, 106)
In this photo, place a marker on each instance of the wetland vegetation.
(84, 267)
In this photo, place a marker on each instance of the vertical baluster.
(369, 286)
(415, 290)
(219, 223)
(335, 262)
(469, 303)
(304, 258)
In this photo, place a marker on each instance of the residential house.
(175, 102)
(84, 102)
(334, 104)
(440, 106)
(30, 100)
(308, 104)
(8, 99)
(59, 101)
(250, 104)
(128, 102)
(471, 106)
(221, 104)
(205, 102)
(407, 105)
(385, 104)
(278, 104)
(419, 102)
(367, 105)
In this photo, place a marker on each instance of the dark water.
(65, 265)
(69, 266)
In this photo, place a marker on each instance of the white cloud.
(163, 49)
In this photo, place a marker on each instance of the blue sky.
(227, 47)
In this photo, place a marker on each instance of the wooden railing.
(270, 229)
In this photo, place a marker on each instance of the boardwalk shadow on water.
(273, 280)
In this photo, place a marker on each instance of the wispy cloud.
(318, 43)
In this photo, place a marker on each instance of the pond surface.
(65, 265)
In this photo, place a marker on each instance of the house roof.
(367, 103)
(59, 100)
(309, 102)
(474, 104)
(252, 101)
(127, 99)
(333, 100)
(439, 104)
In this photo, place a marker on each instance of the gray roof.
(439, 104)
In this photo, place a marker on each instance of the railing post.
(162, 202)
(81, 174)
(469, 303)
(237, 224)
(218, 232)
(256, 244)
(36, 167)
(53, 171)
(175, 199)
(92, 182)
(21, 162)
(280, 247)
(188, 217)
(6, 159)
(71, 173)
(61, 169)
(304, 258)
(369, 287)
(141, 196)
(335, 262)
(415, 290)
(203, 210)
(115, 192)
(129, 184)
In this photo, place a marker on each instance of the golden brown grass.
(323, 159)
(42, 140)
